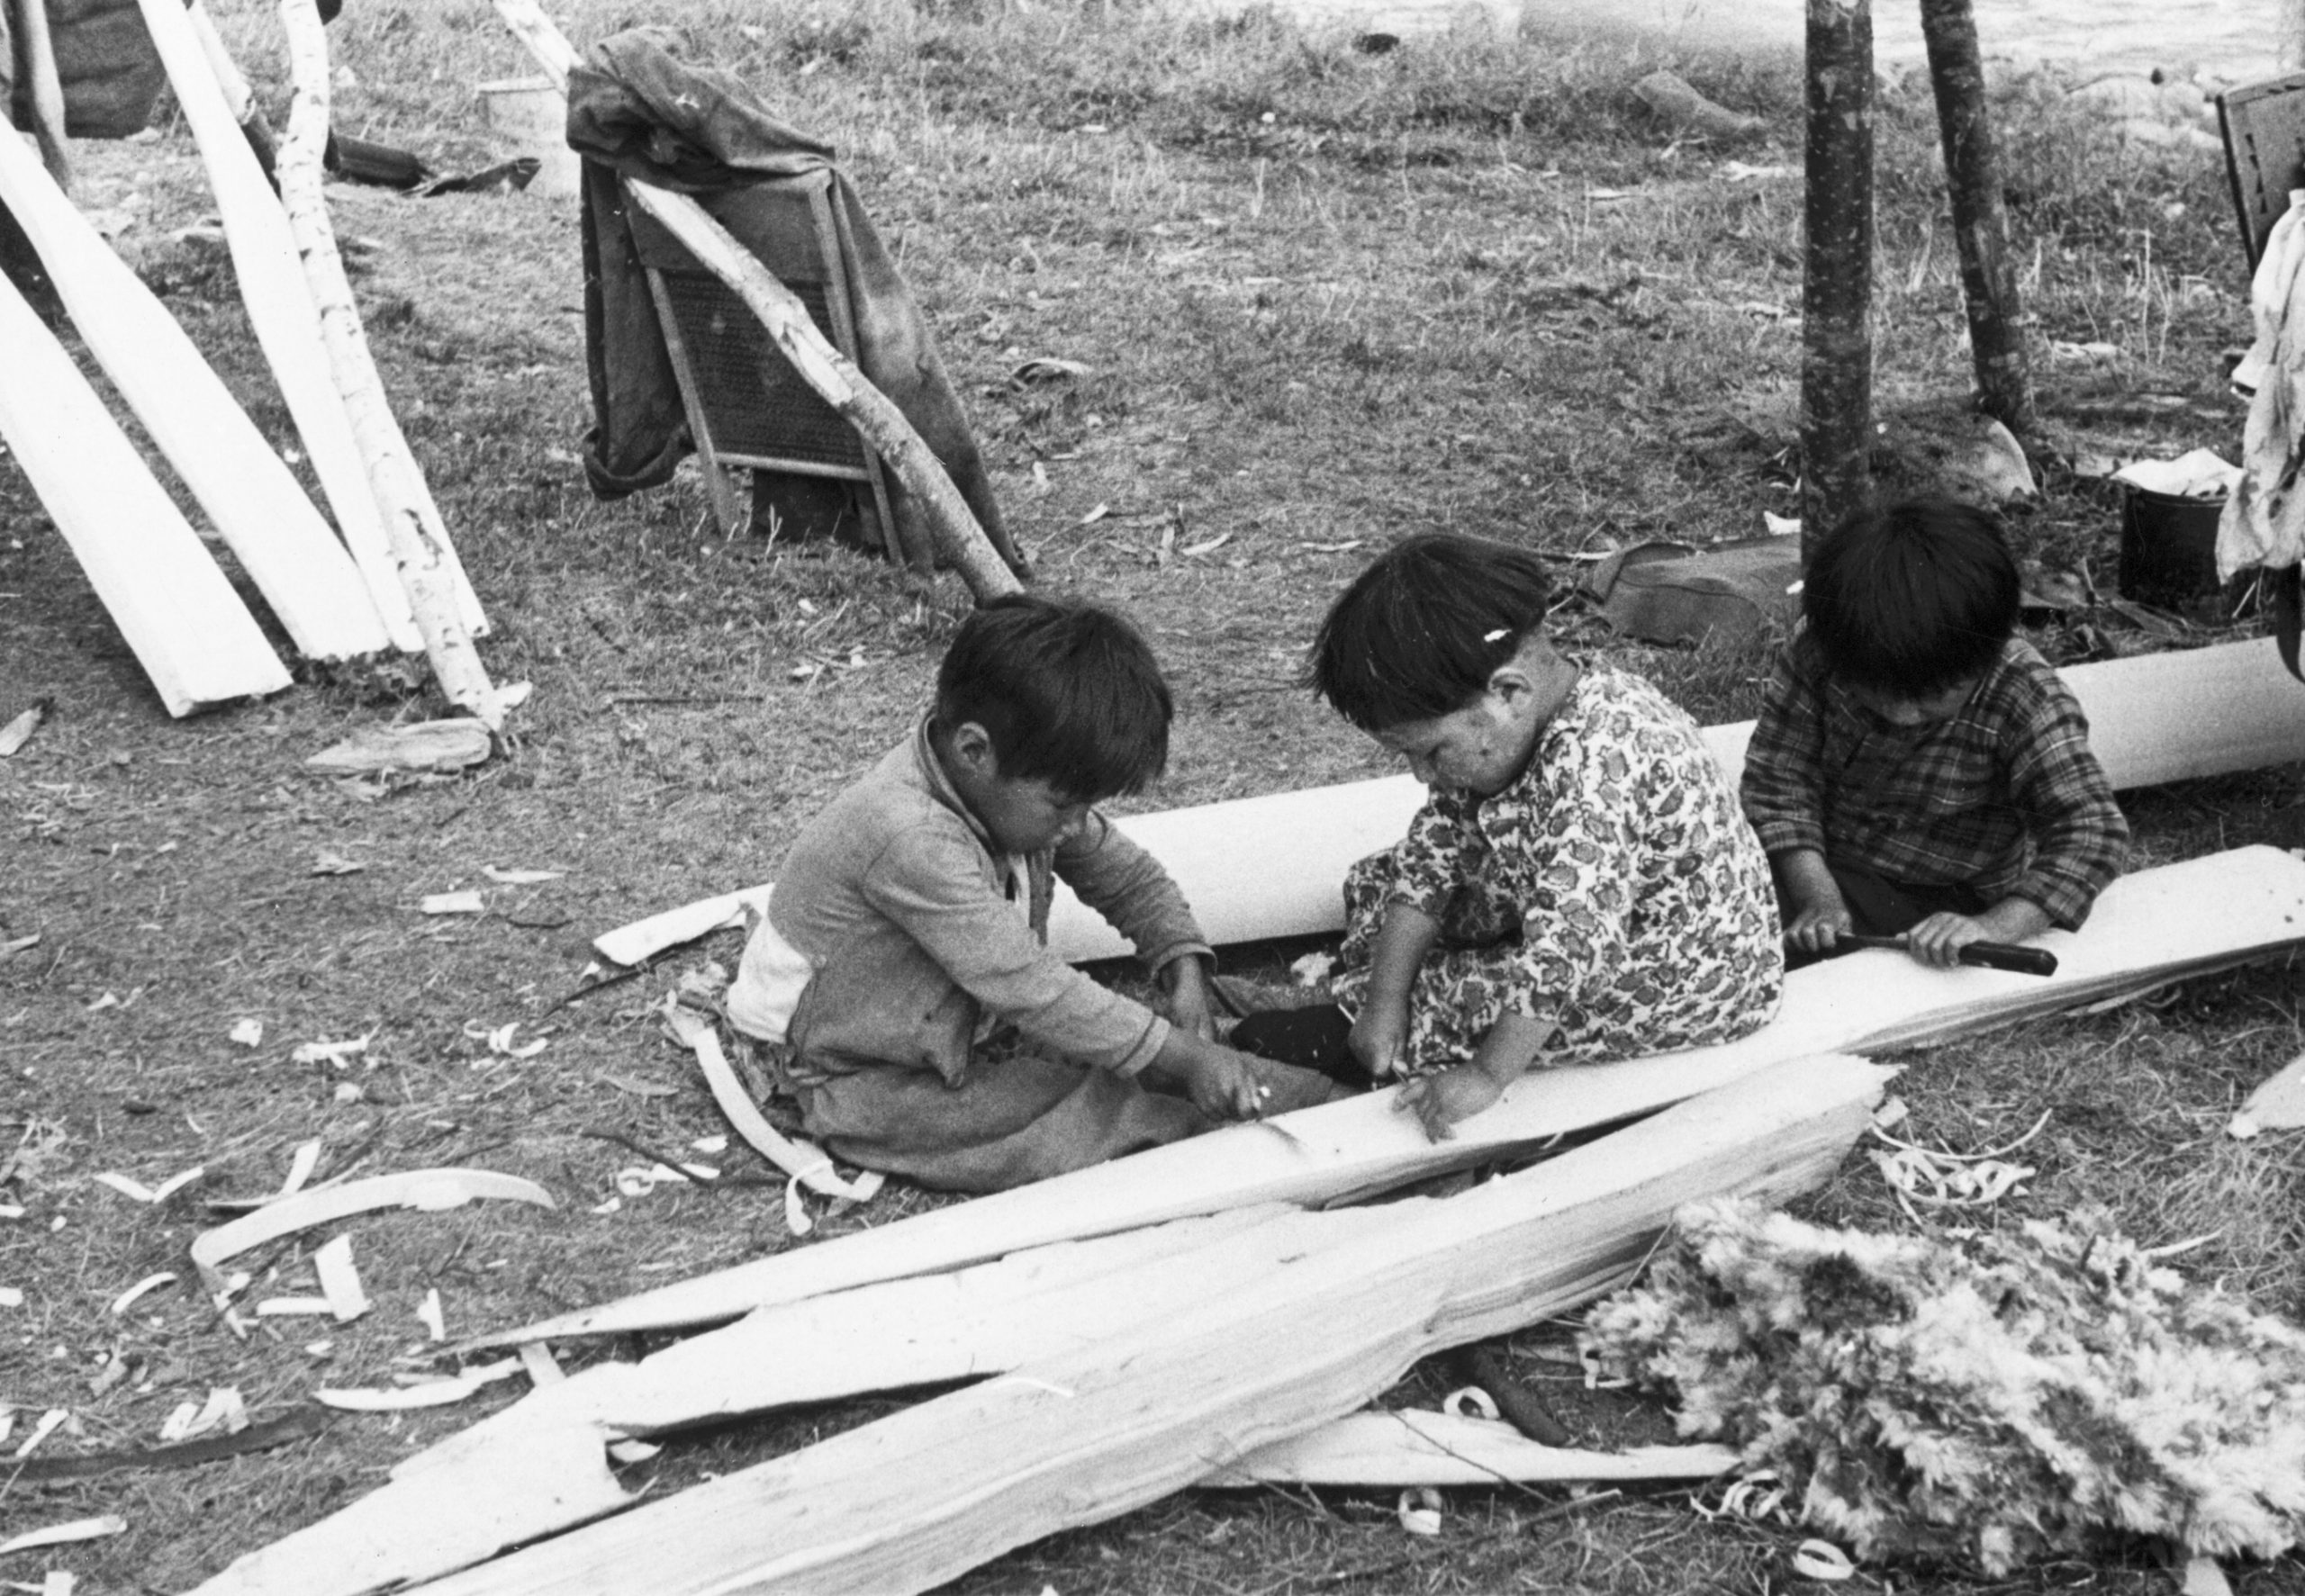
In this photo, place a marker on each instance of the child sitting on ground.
(1578, 886)
(1918, 769)
(925, 1028)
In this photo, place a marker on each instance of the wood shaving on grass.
(2045, 1394)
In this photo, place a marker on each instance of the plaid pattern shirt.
(2003, 797)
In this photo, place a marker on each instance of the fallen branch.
(186, 626)
(293, 1426)
(247, 490)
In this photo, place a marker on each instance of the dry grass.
(1398, 304)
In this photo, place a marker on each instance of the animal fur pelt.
(2043, 1394)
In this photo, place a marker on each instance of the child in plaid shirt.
(1918, 769)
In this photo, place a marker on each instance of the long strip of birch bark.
(280, 310)
(185, 625)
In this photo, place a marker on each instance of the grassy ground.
(1327, 297)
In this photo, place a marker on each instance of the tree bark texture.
(1997, 320)
(1837, 278)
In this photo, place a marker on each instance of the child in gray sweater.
(922, 1024)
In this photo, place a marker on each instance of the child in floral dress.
(1580, 884)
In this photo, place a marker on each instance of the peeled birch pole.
(1996, 313)
(429, 572)
(47, 91)
(834, 376)
(1259, 868)
(181, 618)
(280, 310)
(251, 496)
(237, 96)
(1837, 267)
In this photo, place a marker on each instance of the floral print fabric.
(1612, 891)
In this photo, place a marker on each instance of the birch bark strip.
(280, 310)
(185, 625)
(252, 496)
(429, 573)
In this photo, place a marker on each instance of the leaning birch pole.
(281, 312)
(237, 96)
(1837, 276)
(418, 540)
(834, 376)
(1997, 318)
(47, 91)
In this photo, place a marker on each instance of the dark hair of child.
(1911, 598)
(1069, 692)
(1419, 633)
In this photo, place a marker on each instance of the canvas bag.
(1670, 592)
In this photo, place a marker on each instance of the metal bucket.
(2169, 548)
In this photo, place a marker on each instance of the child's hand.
(1379, 1038)
(1819, 927)
(1820, 915)
(1187, 1003)
(1440, 1101)
(1939, 939)
(1223, 1083)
